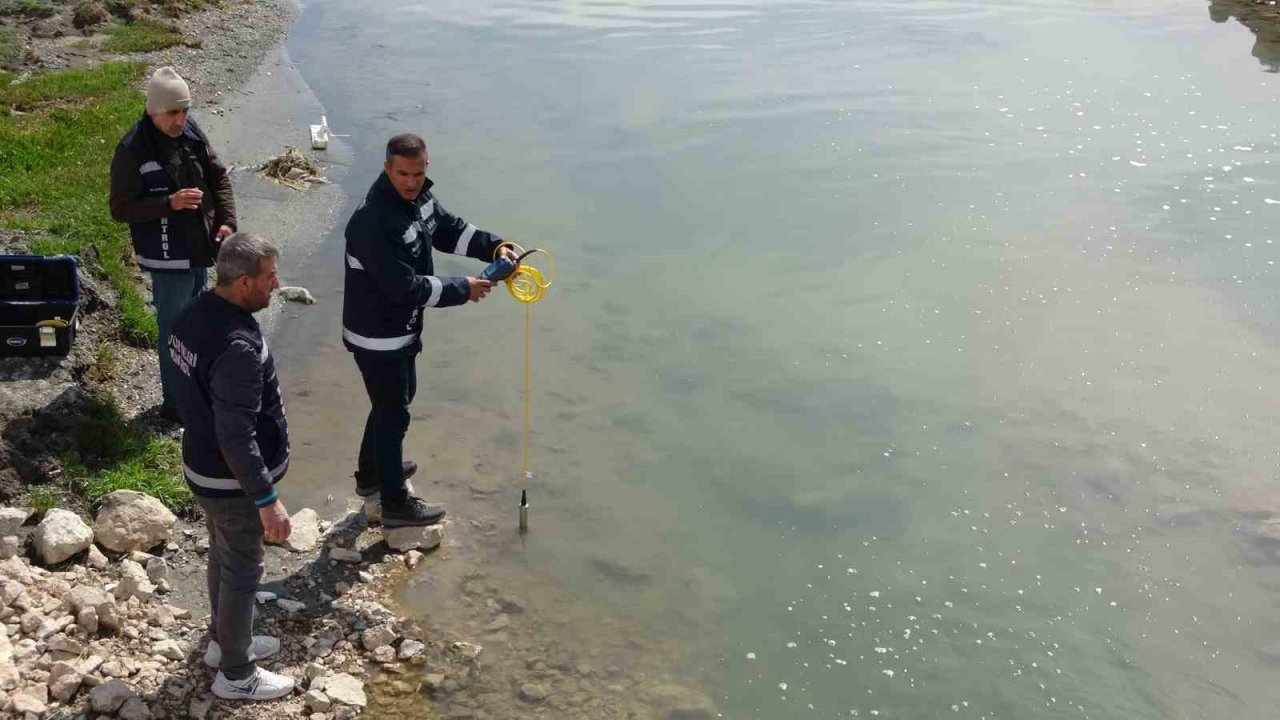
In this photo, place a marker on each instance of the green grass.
(33, 9)
(41, 498)
(55, 172)
(113, 455)
(144, 36)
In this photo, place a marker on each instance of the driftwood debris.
(292, 169)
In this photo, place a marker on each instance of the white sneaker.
(373, 505)
(263, 646)
(261, 685)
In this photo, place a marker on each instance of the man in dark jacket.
(234, 450)
(390, 280)
(168, 184)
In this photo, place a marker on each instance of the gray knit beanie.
(166, 91)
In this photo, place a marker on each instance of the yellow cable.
(527, 284)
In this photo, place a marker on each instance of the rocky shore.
(89, 626)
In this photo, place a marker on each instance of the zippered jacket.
(389, 271)
(236, 437)
(141, 183)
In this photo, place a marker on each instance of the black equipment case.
(39, 304)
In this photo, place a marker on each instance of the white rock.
(15, 569)
(384, 654)
(345, 555)
(10, 590)
(83, 596)
(264, 596)
(109, 696)
(169, 649)
(12, 518)
(294, 293)
(97, 560)
(410, 649)
(60, 534)
(133, 582)
(9, 546)
(345, 689)
(304, 531)
(31, 699)
(108, 616)
(87, 620)
(291, 606)
(130, 520)
(413, 559)
(134, 709)
(413, 538)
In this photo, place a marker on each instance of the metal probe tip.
(524, 511)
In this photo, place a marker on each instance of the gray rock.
(304, 531)
(134, 709)
(130, 520)
(413, 558)
(345, 555)
(10, 546)
(677, 701)
(291, 606)
(413, 538)
(410, 649)
(317, 701)
(384, 654)
(376, 637)
(533, 692)
(64, 680)
(199, 708)
(60, 534)
(345, 689)
(109, 696)
(157, 570)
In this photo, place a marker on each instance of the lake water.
(904, 359)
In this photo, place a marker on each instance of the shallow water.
(904, 359)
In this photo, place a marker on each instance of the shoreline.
(333, 621)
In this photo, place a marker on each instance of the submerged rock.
(413, 538)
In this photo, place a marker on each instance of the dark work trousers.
(391, 381)
(170, 292)
(235, 567)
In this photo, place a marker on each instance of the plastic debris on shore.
(293, 169)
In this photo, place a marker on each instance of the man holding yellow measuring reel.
(390, 280)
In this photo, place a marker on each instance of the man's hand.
(222, 233)
(275, 522)
(508, 252)
(186, 199)
(479, 288)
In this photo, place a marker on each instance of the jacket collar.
(383, 187)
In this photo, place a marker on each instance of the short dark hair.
(406, 145)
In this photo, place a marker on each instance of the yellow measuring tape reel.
(527, 284)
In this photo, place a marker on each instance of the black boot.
(366, 485)
(414, 512)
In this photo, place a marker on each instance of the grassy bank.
(58, 132)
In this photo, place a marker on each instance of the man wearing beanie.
(168, 184)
